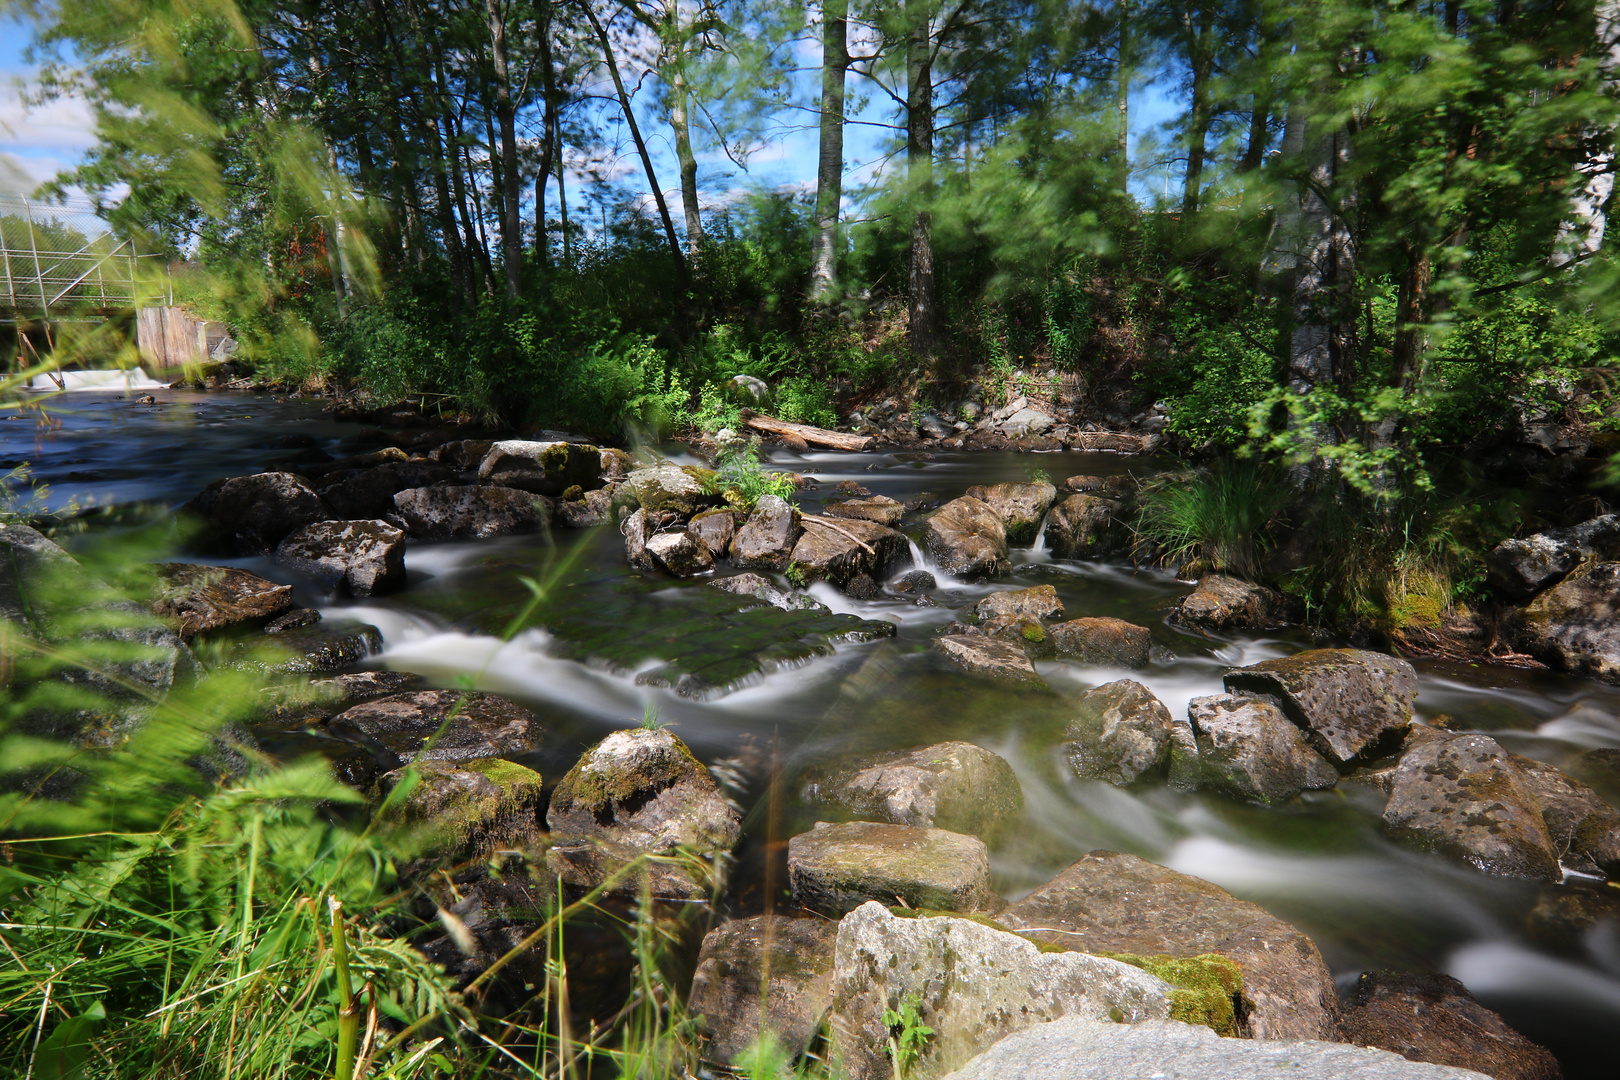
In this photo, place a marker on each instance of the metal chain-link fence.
(62, 262)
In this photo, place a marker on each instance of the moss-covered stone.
(469, 808)
(1207, 987)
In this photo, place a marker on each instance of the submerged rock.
(1462, 796)
(1118, 732)
(762, 588)
(972, 984)
(965, 537)
(206, 598)
(1113, 903)
(1036, 602)
(1102, 640)
(1227, 603)
(451, 512)
(845, 553)
(879, 509)
(476, 725)
(1572, 626)
(471, 808)
(544, 468)
(1349, 701)
(988, 658)
(1019, 506)
(766, 975)
(1248, 748)
(953, 785)
(360, 558)
(640, 792)
(250, 515)
(1080, 1048)
(836, 868)
(1085, 527)
(1434, 1018)
(766, 540)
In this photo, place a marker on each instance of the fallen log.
(1116, 441)
(813, 436)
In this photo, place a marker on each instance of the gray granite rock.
(967, 538)
(953, 785)
(543, 468)
(1248, 748)
(476, 725)
(1103, 641)
(1035, 602)
(766, 976)
(988, 658)
(359, 558)
(456, 512)
(836, 868)
(766, 540)
(1019, 506)
(1227, 603)
(1349, 701)
(1118, 732)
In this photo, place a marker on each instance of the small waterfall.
(1039, 546)
(918, 559)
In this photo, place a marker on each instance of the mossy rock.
(1206, 987)
(470, 807)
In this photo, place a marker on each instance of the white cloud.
(39, 141)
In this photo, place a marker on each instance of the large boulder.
(954, 785)
(1520, 568)
(1108, 902)
(29, 562)
(970, 983)
(463, 455)
(1081, 1048)
(360, 558)
(714, 530)
(1434, 1018)
(988, 658)
(680, 553)
(369, 493)
(850, 551)
(1462, 796)
(1585, 830)
(1118, 732)
(965, 537)
(1035, 602)
(475, 725)
(304, 646)
(1227, 603)
(835, 869)
(766, 540)
(641, 792)
(672, 489)
(879, 509)
(1572, 626)
(1019, 506)
(471, 808)
(1350, 702)
(206, 598)
(250, 515)
(544, 468)
(1103, 641)
(1085, 527)
(1248, 748)
(477, 512)
(765, 977)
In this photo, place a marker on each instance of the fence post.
(39, 275)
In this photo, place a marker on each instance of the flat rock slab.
(768, 974)
(1434, 1018)
(456, 512)
(1035, 602)
(835, 869)
(359, 558)
(967, 538)
(1080, 1048)
(1113, 903)
(1118, 732)
(954, 785)
(206, 598)
(973, 985)
(879, 509)
(1348, 700)
(988, 658)
(1227, 603)
(1103, 641)
(1462, 796)
(1248, 748)
(476, 725)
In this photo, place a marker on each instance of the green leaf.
(65, 1050)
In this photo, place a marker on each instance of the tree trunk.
(922, 321)
(1201, 59)
(681, 275)
(1259, 133)
(830, 160)
(679, 122)
(506, 112)
(548, 148)
(1122, 93)
(427, 119)
(1583, 236)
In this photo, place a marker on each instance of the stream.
(1320, 862)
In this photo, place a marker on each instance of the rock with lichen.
(468, 809)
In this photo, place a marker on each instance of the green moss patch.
(1206, 987)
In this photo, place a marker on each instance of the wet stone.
(879, 509)
(848, 551)
(1350, 701)
(325, 645)
(762, 588)
(479, 725)
(1248, 748)
(988, 658)
(206, 598)
(369, 493)
(1119, 731)
(250, 515)
(1084, 527)
(544, 468)
(770, 973)
(1584, 829)
(1103, 641)
(1036, 602)
(451, 512)
(1226, 603)
(358, 558)
(295, 619)
(965, 537)
(766, 539)
(954, 785)
(1019, 506)
(835, 869)
(914, 582)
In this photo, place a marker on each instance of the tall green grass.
(1217, 520)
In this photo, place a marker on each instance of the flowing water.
(587, 664)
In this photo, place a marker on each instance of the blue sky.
(37, 142)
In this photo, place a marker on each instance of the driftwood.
(814, 436)
(1117, 441)
(825, 524)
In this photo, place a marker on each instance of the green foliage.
(1220, 368)
(804, 400)
(1219, 519)
(744, 480)
(908, 1035)
(715, 411)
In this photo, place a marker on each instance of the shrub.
(803, 400)
(1218, 519)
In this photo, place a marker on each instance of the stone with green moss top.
(953, 785)
(637, 792)
(1206, 990)
(469, 808)
(836, 868)
(672, 489)
(544, 468)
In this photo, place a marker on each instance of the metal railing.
(62, 263)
